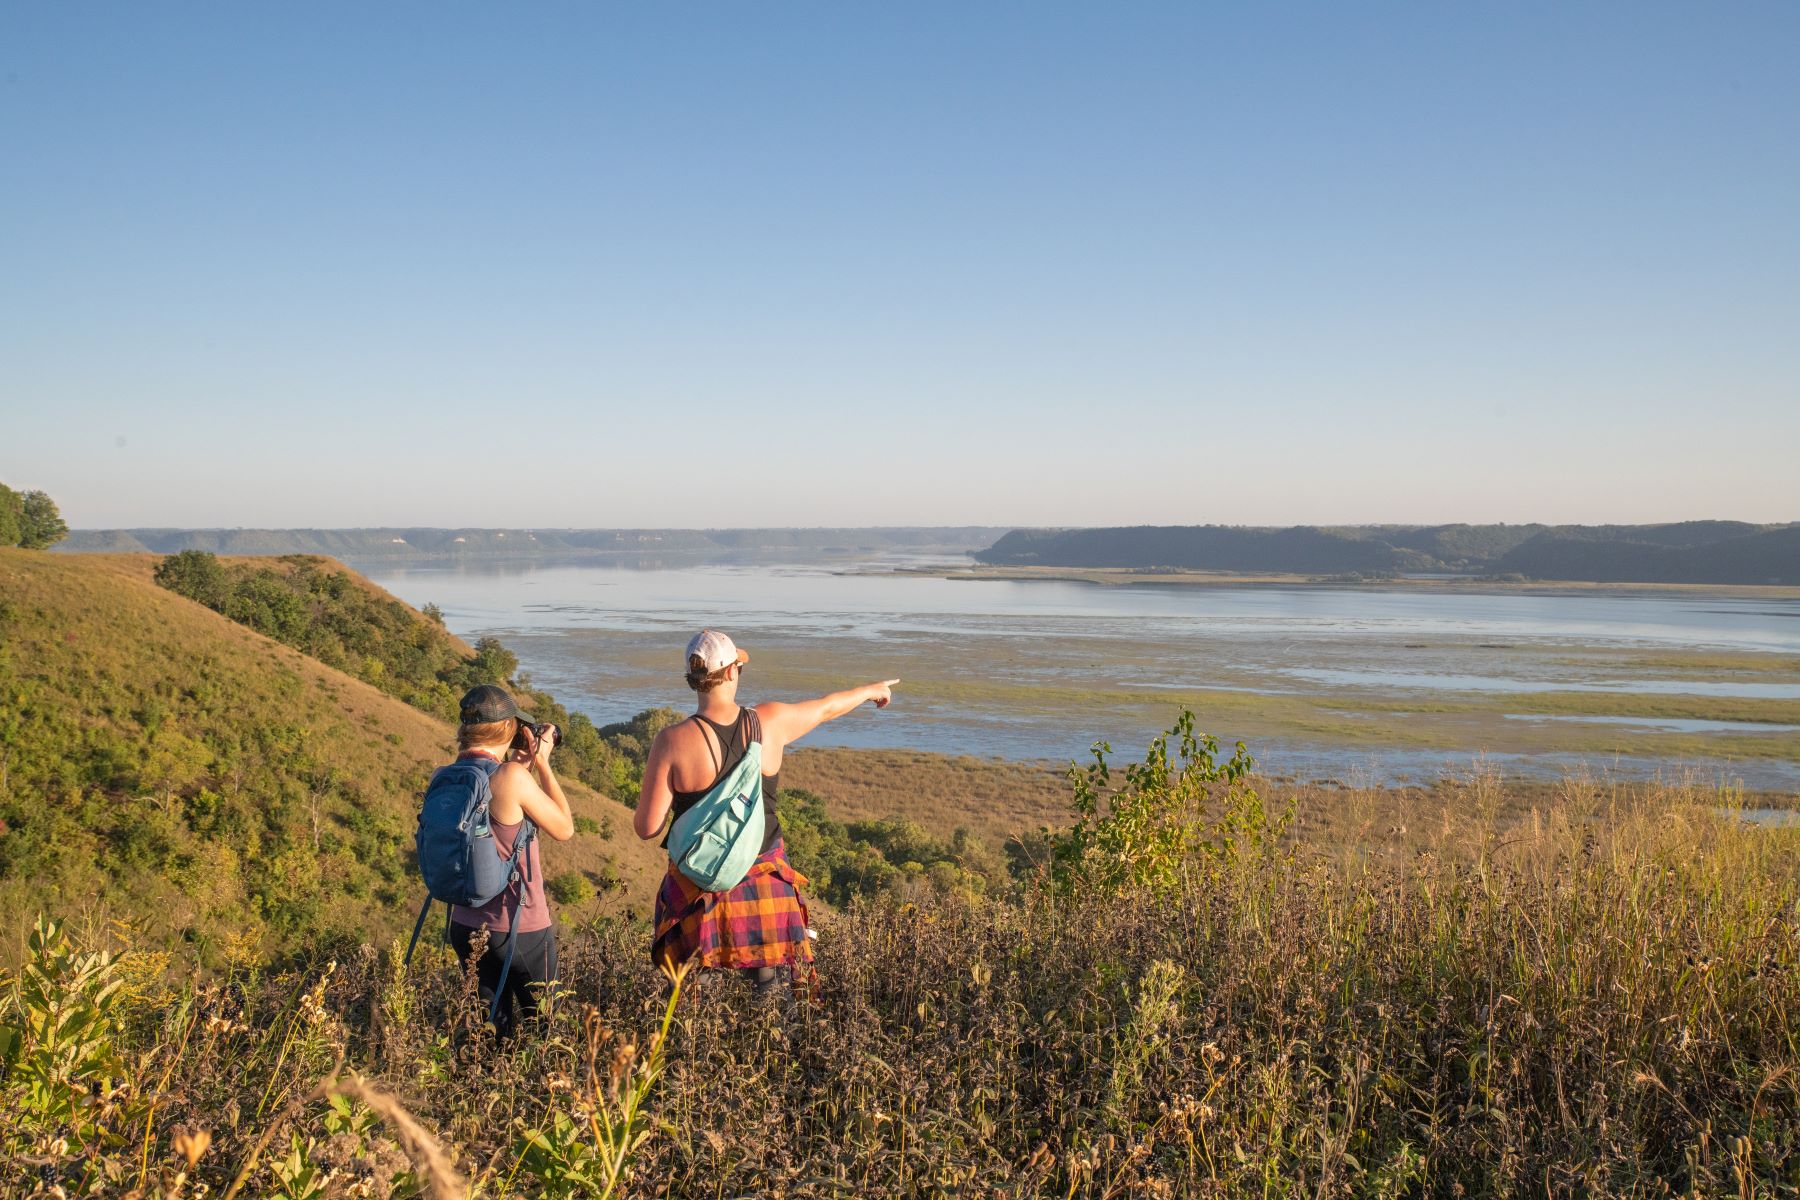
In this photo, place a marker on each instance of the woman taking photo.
(494, 731)
(759, 925)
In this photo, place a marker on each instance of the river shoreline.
(1405, 684)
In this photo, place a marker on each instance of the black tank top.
(734, 743)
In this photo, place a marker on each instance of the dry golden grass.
(999, 799)
(990, 797)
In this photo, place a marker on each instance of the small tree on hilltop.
(494, 663)
(30, 520)
(42, 525)
(12, 506)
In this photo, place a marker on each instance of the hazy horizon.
(1050, 265)
(910, 525)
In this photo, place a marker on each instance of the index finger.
(889, 682)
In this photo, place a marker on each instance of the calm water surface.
(1041, 669)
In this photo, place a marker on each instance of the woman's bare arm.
(787, 723)
(540, 798)
(656, 794)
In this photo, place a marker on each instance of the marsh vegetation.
(1402, 685)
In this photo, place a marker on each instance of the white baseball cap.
(716, 651)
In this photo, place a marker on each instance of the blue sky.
(772, 264)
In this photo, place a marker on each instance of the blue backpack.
(457, 855)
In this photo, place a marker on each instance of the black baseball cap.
(489, 702)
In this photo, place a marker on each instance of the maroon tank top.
(497, 914)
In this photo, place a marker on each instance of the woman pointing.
(759, 925)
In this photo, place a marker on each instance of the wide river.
(1358, 684)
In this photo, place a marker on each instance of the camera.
(530, 735)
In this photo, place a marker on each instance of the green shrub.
(570, 887)
(1147, 832)
(870, 858)
(197, 575)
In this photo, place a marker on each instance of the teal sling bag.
(715, 842)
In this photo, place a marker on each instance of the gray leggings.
(764, 981)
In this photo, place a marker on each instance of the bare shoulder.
(508, 778)
(773, 714)
(672, 736)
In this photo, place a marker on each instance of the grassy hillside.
(163, 765)
(327, 611)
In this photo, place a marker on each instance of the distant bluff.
(402, 543)
(1697, 552)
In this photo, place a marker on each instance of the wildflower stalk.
(560, 1155)
(161, 1086)
(620, 1133)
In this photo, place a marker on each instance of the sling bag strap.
(747, 720)
(701, 723)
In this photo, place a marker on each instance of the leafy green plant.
(58, 1040)
(589, 1157)
(296, 1176)
(343, 1115)
(564, 1157)
(1157, 1008)
(1145, 832)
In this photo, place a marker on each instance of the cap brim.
(476, 717)
(743, 657)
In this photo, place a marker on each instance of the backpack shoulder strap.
(484, 782)
(487, 768)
